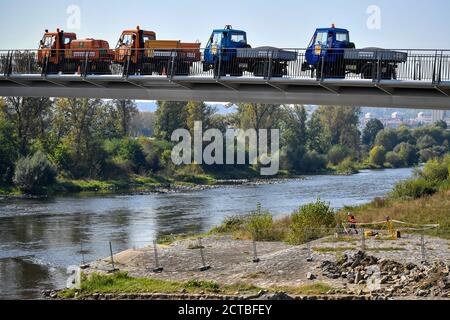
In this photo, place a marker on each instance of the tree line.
(46, 140)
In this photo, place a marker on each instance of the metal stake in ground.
(255, 253)
(83, 262)
(202, 256)
(158, 268)
(422, 247)
(112, 258)
(308, 246)
(363, 240)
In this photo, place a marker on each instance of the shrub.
(394, 160)
(413, 188)
(378, 156)
(338, 153)
(313, 162)
(260, 226)
(34, 174)
(346, 167)
(407, 153)
(436, 171)
(387, 138)
(308, 220)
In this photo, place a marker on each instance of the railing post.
(269, 71)
(126, 70)
(86, 61)
(322, 68)
(219, 72)
(379, 67)
(172, 67)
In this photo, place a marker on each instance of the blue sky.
(283, 23)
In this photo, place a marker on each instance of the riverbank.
(293, 270)
(178, 183)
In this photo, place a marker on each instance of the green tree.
(378, 156)
(126, 110)
(394, 160)
(408, 153)
(34, 173)
(170, 116)
(441, 124)
(294, 137)
(198, 111)
(8, 151)
(373, 127)
(387, 139)
(318, 139)
(338, 153)
(30, 118)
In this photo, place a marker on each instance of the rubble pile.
(391, 278)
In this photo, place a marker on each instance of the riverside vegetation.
(72, 145)
(409, 201)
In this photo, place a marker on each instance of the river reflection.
(39, 239)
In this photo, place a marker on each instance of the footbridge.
(421, 81)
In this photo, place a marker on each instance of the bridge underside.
(385, 94)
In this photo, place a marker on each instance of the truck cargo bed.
(265, 53)
(374, 54)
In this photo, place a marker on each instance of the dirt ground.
(280, 264)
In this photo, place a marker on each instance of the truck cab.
(224, 42)
(328, 44)
(132, 42)
(52, 44)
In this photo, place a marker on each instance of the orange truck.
(61, 52)
(140, 52)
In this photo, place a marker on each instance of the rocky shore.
(396, 265)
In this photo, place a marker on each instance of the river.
(39, 239)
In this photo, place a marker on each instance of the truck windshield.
(48, 42)
(217, 38)
(321, 38)
(127, 39)
(238, 37)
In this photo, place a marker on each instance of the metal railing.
(373, 65)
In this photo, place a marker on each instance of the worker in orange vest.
(352, 222)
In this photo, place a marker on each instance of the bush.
(260, 226)
(347, 167)
(313, 162)
(394, 160)
(407, 153)
(378, 156)
(413, 189)
(436, 171)
(338, 153)
(387, 138)
(308, 220)
(34, 174)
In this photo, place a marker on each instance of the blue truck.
(228, 53)
(330, 54)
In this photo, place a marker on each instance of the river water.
(39, 239)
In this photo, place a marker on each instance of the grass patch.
(120, 282)
(317, 288)
(342, 249)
